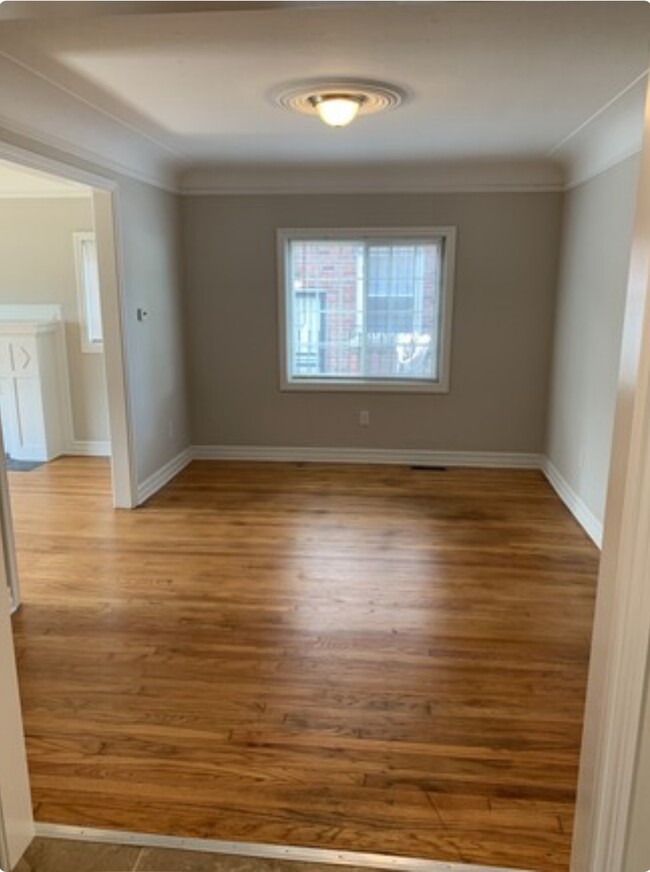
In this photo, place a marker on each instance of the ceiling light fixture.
(337, 102)
(338, 110)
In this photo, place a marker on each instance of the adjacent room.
(372, 266)
(49, 282)
(53, 397)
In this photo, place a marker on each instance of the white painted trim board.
(89, 448)
(374, 186)
(574, 503)
(158, 479)
(408, 457)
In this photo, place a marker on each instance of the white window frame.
(390, 385)
(87, 346)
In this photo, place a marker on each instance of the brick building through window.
(361, 308)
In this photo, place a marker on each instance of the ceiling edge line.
(542, 188)
(598, 112)
(609, 165)
(236, 191)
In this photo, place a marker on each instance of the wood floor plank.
(358, 658)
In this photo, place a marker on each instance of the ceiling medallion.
(337, 102)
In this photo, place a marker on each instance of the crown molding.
(469, 188)
(593, 173)
(442, 177)
(608, 137)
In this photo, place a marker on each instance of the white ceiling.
(19, 182)
(487, 81)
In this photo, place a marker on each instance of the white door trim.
(4, 848)
(106, 214)
(37, 161)
(621, 637)
(16, 817)
(7, 544)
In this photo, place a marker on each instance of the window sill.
(392, 386)
(92, 348)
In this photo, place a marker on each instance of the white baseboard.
(163, 476)
(493, 459)
(476, 459)
(575, 504)
(90, 448)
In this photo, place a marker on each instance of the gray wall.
(592, 282)
(149, 239)
(151, 262)
(37, 266)
(502, 329)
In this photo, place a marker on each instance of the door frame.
(106, 217)
(16, 816)
(619, 664)
(7, 546)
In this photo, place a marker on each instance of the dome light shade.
(337, 102)
(338, 110)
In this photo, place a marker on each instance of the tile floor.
(64, 855)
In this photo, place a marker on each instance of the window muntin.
(90, 315)
(366, 311)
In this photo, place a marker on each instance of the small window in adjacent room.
(366, 310)
(90, 314)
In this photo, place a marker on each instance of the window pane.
(402, 310)
(364, 309)
(326, 308)
(91, 291)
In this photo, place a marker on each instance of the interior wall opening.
(54, 401)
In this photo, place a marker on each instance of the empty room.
(355, 293)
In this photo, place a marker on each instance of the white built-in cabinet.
(30, 393)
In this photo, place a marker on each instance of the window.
(364, 310)
(90, 314)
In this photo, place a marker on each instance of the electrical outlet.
(364, 417)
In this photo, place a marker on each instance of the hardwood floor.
(363, 658)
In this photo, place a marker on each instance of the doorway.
(62, 386)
